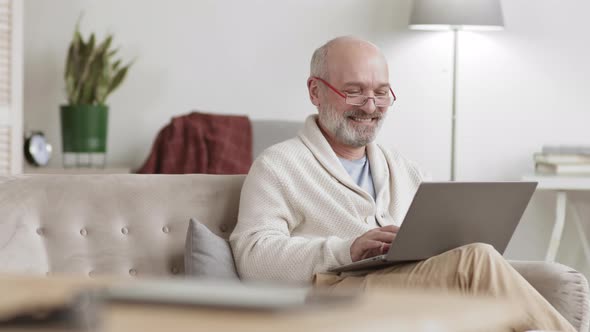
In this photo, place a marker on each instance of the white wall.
(246, 57)
(520, 89)
(517, 89)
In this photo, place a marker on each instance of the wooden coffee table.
(384, 310)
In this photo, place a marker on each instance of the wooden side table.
(562, 185)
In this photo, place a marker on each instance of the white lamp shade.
(456, 14)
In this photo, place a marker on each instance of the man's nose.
(369, 106)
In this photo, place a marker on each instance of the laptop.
(447, 215)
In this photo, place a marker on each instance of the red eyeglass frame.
(343, 95)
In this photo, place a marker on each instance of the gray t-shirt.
(360, 171)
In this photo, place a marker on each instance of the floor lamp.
(456, 15)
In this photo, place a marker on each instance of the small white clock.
(37, 149)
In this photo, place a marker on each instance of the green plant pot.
(84, 128)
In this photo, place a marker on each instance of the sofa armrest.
(565, 288)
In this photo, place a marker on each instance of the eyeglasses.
(360, 100)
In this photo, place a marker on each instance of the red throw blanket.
(202, 143)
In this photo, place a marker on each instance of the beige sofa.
(135, 225)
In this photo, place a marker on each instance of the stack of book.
(563, 160)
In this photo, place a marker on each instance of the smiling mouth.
(362, 120)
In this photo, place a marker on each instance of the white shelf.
(562, 184)
(77, 171)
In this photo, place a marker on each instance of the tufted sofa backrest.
(126, 225)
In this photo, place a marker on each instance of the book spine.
(562, 169)
(566, 149)
(562, 158)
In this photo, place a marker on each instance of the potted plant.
(91, 74)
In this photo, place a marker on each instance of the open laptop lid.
(447, 215)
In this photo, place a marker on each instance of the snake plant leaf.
(116, 65)
(105, 78)
(69, 74)
(75, 67)
(91, 42)
(80, 51)
(104, 46)
(113, 52)
(69, 61)
(70, 87)
(91, 73)
(118, 78)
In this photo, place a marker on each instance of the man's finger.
(386, 237)
(389, 228)
(370, 245)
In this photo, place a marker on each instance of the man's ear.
(314, 91)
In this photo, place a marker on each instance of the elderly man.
(331, 196)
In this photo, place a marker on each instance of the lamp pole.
(454, 106)
(456, 15)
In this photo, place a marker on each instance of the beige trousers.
(472, 269)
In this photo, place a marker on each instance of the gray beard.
(338, 125)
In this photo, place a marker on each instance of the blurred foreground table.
(384, 310)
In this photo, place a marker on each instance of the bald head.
(345, 73)
(345, 52)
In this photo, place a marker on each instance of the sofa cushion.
(126, 225)
(206, 254)
(565, 288)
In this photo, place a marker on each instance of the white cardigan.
(300, 210)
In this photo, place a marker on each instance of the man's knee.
(475, 259)
(479, 249)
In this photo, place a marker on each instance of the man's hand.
(374, 242)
